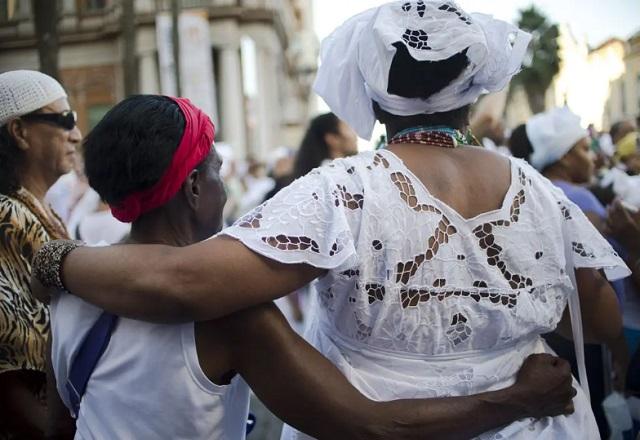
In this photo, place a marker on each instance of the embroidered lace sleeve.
(308, 222)
(589, 249)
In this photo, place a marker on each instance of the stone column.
(269, 108)
(148, 74)
(232, 115)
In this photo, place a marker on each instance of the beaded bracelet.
(47, 264)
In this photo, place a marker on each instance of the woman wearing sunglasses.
(38, 139)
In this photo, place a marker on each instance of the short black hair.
(313, 148)
(411, 79)
(132, 146)
(11, 158)
(617, 127)
(519, 143)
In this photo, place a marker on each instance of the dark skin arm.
(598, 300)
(60, 424)
(307, 391)
(166, 284)
(23, 411)
(624, 225)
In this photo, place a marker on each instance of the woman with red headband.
(130, 379)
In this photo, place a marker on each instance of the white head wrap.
(24, 91)
(357, 56)
(552, 134)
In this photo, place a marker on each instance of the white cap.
(24, 91)
(552, 135)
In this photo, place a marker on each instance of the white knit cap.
(356, 58)
(24, 91)
(552, 135)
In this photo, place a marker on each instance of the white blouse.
(419, 301)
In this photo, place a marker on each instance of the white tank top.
(148, 383)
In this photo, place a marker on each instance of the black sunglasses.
(67, 119)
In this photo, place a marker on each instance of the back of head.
(553, 134)
(519, 143)
(132, 146)
(413, 79)
(313, 148)
(620, 129)
(21, 92)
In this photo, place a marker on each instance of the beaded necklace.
(438, 136)
(48, 218)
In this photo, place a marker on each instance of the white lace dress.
(419, 301)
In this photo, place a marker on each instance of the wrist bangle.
(47, 264)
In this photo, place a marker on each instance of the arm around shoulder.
(160, 283)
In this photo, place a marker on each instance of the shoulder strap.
(87, 358)
(576, 319)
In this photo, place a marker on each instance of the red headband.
(194, 147)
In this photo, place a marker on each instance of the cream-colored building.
(624, 101)
(602, 85)
(263, 53)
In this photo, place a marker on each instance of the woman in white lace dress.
(437, 265)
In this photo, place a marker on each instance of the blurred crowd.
(599, 171)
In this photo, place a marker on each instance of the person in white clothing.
(179, 381)
(437, 264)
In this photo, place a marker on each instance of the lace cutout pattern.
(286, 243)
(565, 211)
(350, 273)
(416, 39)
(375, 292)
(420, 7)
(338, 245)
(408, 194)
(252, 219)
(581, 250)
(458, 331)
(363, 330)
(378, 160)
(348, 200)
(524, 180)
(462, 16)
(404, 276)
(413, 297)
(487, 242)
(326, 298)
(406, 270)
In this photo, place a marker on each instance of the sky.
(593, 20)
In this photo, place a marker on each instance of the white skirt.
(384, 376)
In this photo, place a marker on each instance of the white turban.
(24, 91)
(552, 134)
(357, 56)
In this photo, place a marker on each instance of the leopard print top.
(24, 321)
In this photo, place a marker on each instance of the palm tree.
(545, 60)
